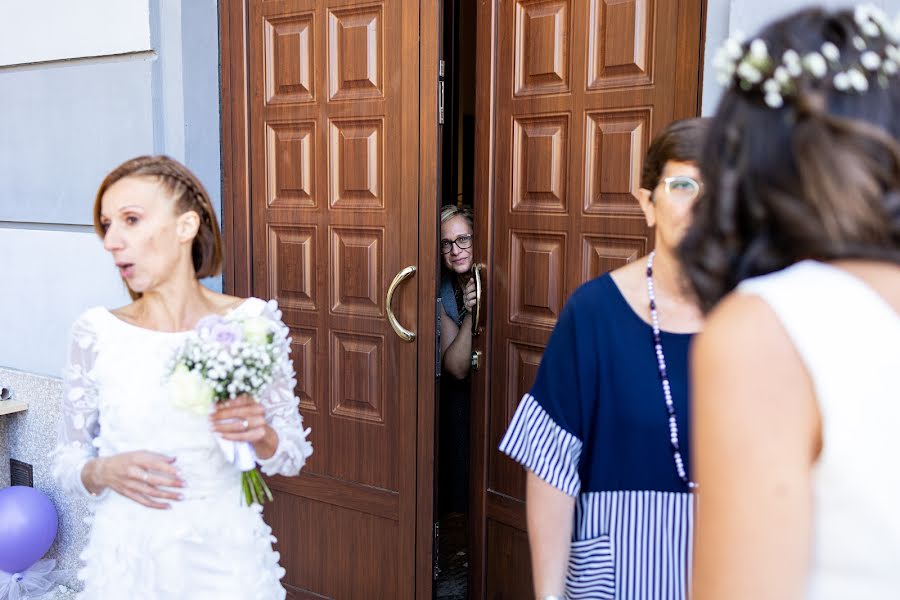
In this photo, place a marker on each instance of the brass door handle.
(476, 313)
(403, 333)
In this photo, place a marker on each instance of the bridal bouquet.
(223, 358)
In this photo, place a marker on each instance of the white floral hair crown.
(755, 68)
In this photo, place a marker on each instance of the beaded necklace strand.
(664, 377)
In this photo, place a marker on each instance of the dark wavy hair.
(818, 178)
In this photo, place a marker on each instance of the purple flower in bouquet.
(207, 324)
(225, 333)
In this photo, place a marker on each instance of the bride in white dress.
(169, 521)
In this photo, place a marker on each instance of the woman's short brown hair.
(189, 194)
(680, 141)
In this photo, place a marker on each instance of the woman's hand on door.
(470, 295)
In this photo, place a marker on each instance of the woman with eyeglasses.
(457, 290)
(603, 431)
(457, 300)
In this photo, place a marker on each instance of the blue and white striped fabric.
(650, 536)
(547, 449)
(627, 545)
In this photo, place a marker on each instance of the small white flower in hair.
(868, 18)
(862, 13)
(758, 50)
(782, 76)
(749, 73)
(858, 80)
(724, 65)
(889, 67)
(831, 52)
(733, 48)
(870, 60)
(859, 43)
(815, 64)
(770, 86)
(792, 63)
(774, 100)
(893, 52)
(842, 82)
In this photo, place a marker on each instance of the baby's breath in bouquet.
(223, 358)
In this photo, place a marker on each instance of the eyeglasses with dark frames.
(463, 242)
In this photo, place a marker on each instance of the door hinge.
(441, 68)
(437, 342)
(436, 535)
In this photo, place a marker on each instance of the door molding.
(427, 281)
(484, 192)
(238, 269)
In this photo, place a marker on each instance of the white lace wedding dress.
(207, 546)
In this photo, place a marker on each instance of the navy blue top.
(599, 380)
(595, 426)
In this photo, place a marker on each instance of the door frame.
(237, 230)
(692, 20)
(484, 192)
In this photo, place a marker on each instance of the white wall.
(84, 86)
(725, 17)
(49, 277)
(40, 30)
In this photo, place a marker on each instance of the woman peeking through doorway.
(458, 298)
(457, 290)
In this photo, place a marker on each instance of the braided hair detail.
(188, 194)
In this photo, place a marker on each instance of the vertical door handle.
(476, 313)
(402, 332)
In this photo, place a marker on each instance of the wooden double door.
(330, 129)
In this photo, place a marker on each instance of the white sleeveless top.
(849, 339)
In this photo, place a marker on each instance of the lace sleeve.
(79, 423)
(282, 412)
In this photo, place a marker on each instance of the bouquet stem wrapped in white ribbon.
(223, 358)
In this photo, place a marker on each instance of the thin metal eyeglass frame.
(698, 187)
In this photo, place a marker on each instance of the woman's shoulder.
(600, 291)
(91, 319)
(257, 307)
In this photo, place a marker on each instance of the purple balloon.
(28, 523)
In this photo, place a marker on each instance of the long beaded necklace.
(664, 377)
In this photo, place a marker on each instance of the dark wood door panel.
(310, 553)
(576, 91)
(323, 111)
(507, 552)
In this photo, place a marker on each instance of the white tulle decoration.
(37, 582)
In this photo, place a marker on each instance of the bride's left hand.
(240, 419)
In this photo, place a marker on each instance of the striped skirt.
(633, 545)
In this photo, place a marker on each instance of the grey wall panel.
(200, 50)
(62, 129)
